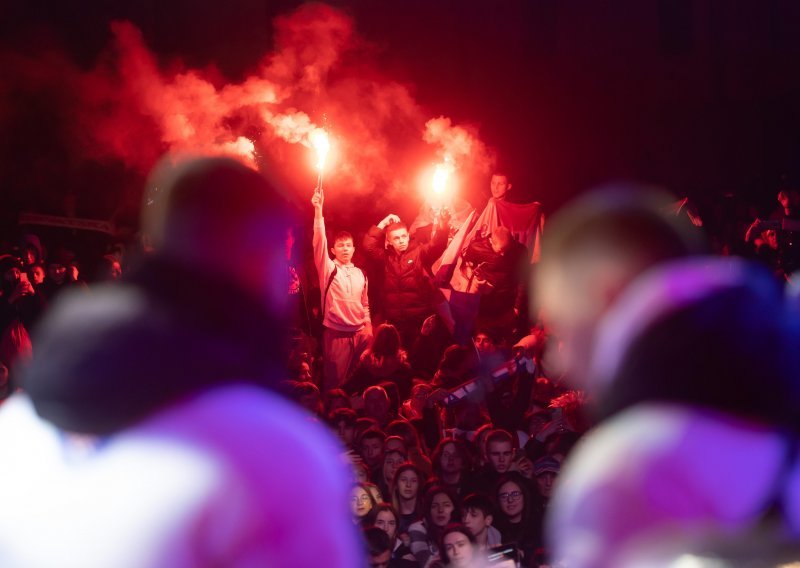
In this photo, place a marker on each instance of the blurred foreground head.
(205, 310)
(593, 249)
(218, 215)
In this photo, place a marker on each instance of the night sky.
(700, 97)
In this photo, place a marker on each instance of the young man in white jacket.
(347, 328)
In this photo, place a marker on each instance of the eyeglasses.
(363, 498)
(513, 496)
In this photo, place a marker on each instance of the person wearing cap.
(140, 439)
(545, 470)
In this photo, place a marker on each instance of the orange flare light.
(319, 140)
(440, 176)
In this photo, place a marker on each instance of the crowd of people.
(456, 403)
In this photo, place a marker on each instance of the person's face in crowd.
(371, 450)
(408, 485)
(398, 238)
(476, 521)
(343, 250)
(544, 482)
(451, 462)
(304, 373)
(375, 493)
(459, 549)
(391, 461)
(498, 245)
(771, 238)
(499, 186)
(484, 344)
(310, 402)
(345, 431)
(789, 199)
(376, 404)
(394, 445)
(57, 272)
(441, 509)
(511, 500)
(115, 272)
(381, 560)
(360, 502)
(337, 402)
(30, 256)
(500, 455)
(38, 275)
(361, 474)
(387, 522)
(12, 275)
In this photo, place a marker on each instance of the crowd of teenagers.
(451, 402)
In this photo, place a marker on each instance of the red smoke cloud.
(129, 108)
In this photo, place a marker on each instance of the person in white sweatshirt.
(347, 327)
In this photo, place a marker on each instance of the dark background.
(700, 97)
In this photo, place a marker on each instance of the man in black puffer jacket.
(409, 293)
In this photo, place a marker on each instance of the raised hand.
(317, 200)
(388, 220)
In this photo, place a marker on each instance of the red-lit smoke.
(132, 108)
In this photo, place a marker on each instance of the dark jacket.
(408, 289)
(503, 271)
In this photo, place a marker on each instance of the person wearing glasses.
(362, 505)
(519, 517)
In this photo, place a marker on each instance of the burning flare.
(442, 176)
(320, 142)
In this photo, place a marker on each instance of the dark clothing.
(156, 340)
(26, 309)
(526, 535)
(788, 255)
(409, 293)
(507, 405)
(367, 373)
(503, 273)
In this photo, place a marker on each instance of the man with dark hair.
(409, 293)
(379, 547)
(133, 446)
(371, 445)
(347, 327)
(477, 514)
(499, 185)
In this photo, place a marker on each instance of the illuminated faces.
(499, 186)
(343, 250)
(459, 549)
(398, 238)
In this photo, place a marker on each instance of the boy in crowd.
(347, 327)
(477, 514)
